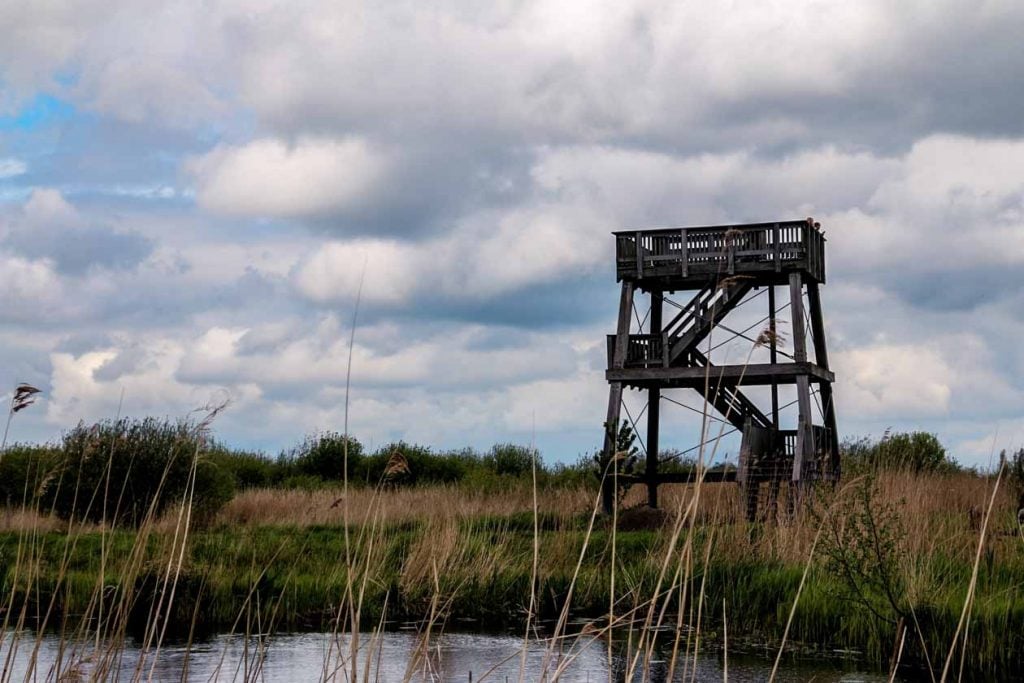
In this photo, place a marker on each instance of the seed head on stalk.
(397, 465)
(24, 396)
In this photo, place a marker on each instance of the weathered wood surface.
(755, 374)
(688, 255)
(710, 476)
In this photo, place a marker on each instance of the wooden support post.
(773, 355)
(821, 358)
(653, 410)
(804, 434)
(777, 454)
(651, 469)
(615, 392)
(751, 491)
(610, 433)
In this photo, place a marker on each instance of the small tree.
(323, 455)
(1015, 474)
(624, 455)
(911, 451)
(510, 459)
(861, 543)
(123, 470)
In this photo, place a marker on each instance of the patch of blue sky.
(13, 193)
(42, 111)
(146, 192)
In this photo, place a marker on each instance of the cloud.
(82, 388)
(30, 289)
(485, 256)
(10, 168)
(271, 178)
(202, 217)
(48, 227)
(894, 381)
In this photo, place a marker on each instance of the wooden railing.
(642, 350)
(721, 250)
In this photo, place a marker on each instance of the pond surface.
(461, 657)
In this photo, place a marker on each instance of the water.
(460, 657)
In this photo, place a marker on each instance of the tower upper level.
(687, 258)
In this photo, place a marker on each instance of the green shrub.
(424, 465)
(214, 487)
(914, 451)
(323, 455)
(510, 459)
(148, 462)
(625, 452)
(249, 470)
(1015, 473)
(577, 475)
(23, 470)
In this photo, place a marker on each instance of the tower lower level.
(672, 346)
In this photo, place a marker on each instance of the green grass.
(295, 576)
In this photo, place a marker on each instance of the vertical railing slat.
(684, 252)
(639, 255)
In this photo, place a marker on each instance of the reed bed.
(305, 508)
(281, 560)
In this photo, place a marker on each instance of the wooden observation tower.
(719, 269)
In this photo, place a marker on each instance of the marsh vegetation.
(149, 532)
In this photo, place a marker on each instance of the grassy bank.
(275, 559)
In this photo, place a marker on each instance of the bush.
(23, 470)
(323, 455)
(318, 460)
(249, 470)
(214, 488)
(148, 461)
(577, 475)
(511, 460)
(424, 466)
(914, 451)
(1015, 473)
(625, 453)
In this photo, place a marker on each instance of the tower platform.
(724, 266)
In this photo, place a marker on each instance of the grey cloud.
(128, 360)
(558, 125)
(80, 342)
(77, 250)
(965, 289)
(562, 303)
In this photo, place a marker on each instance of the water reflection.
(394, 656)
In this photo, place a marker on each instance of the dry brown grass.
(259, 507)
(20, 520)
(935, 510)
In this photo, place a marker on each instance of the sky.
(192, 192)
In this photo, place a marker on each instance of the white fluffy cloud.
(487, 254)
(11, 167)
(894, 381)
(268, 177)
(30, 289)
(437, 387)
